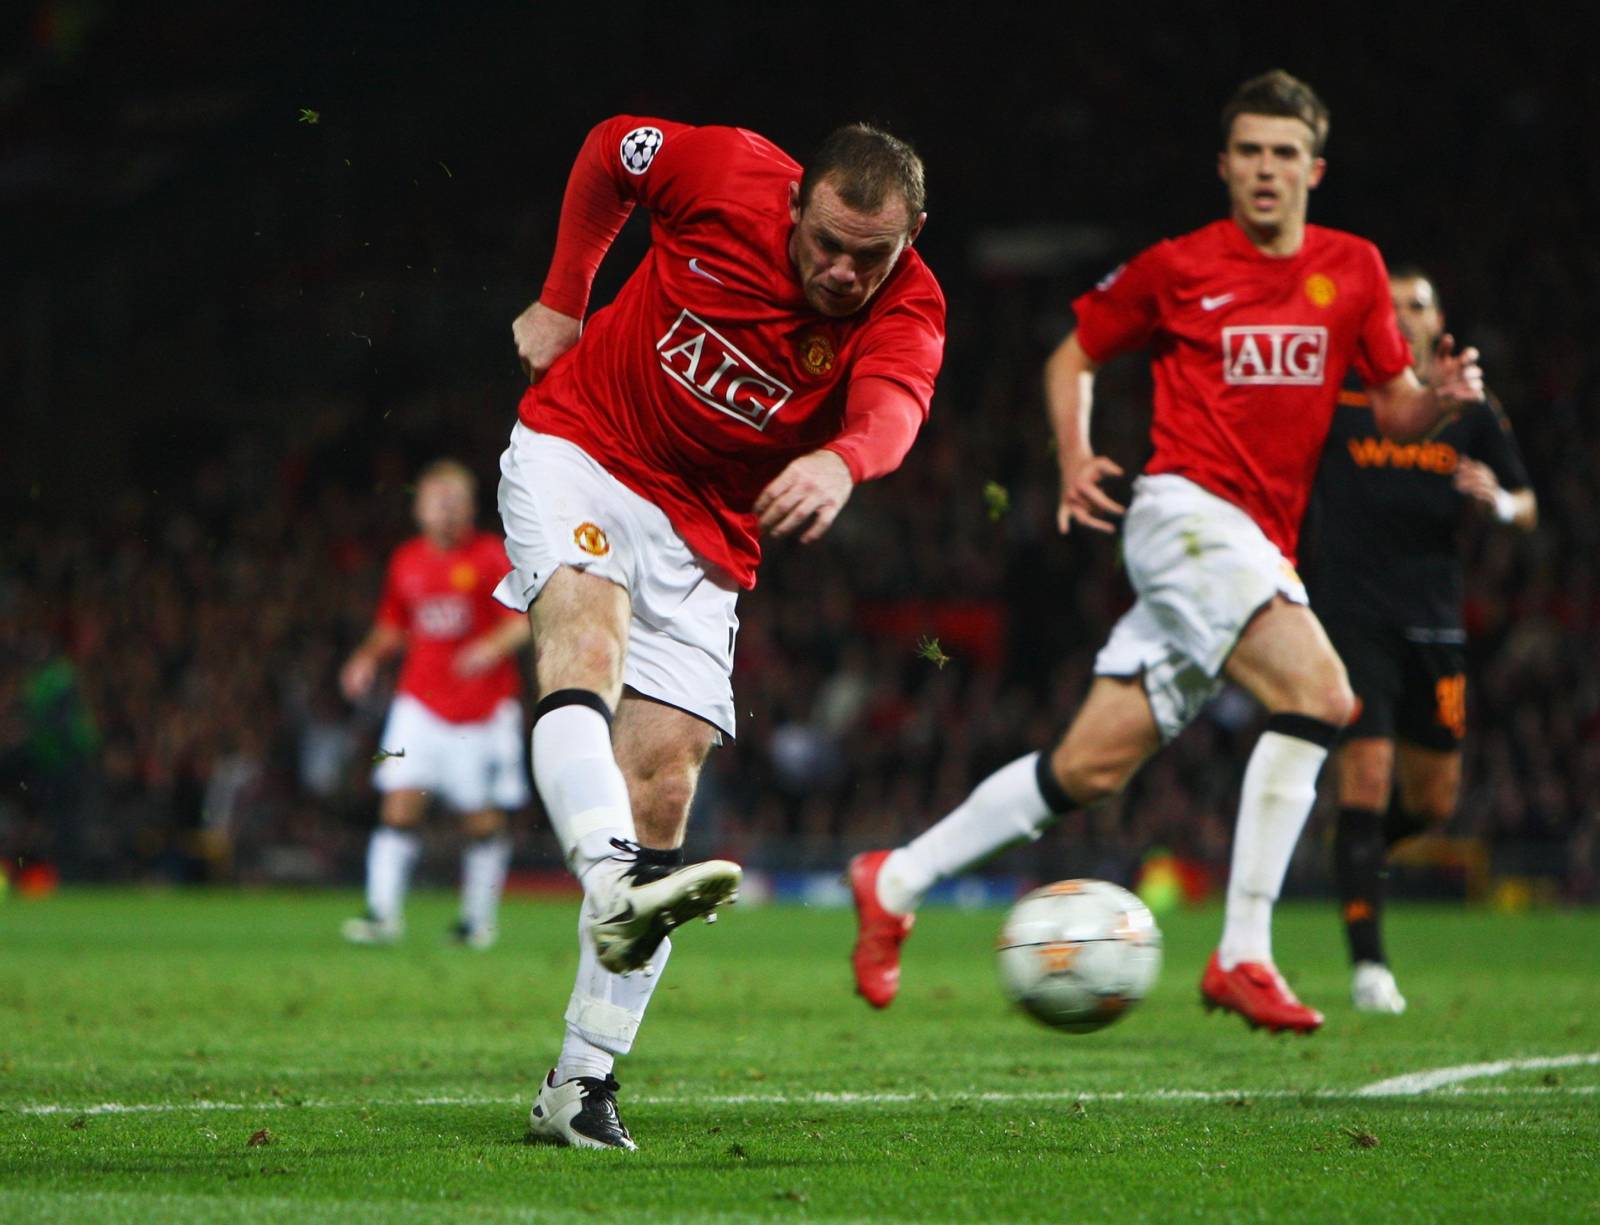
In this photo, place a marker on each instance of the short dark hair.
(1278, 93)
(867, 167)
(1416, 272)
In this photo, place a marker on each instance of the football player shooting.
(455, 725)
(778, 344)
(1385, 577)
(1252, 322)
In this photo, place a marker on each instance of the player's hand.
(476, 658)
(357, 675)
(812, 491)
(1477, 481)
(1457, 378)
(542, 335)
(1082, 499)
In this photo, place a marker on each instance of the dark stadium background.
(261, 259)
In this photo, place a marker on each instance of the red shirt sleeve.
(881, 420)
(391, 604)
(1121, 312)
(891, 381)
(1381, 351)
(626, 159)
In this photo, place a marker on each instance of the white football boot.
(370, 930)
(1372, 989)
(580, 1113)
(635, 909)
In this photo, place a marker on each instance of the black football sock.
(1358, 853)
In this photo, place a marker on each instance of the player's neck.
(1279, 241)
(446, 542)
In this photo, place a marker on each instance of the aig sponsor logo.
(1277, 355)
(445, 616)
(716, 373)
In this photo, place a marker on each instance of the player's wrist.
(1503, 506)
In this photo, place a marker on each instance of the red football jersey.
(441, 599)
(710, 372)
(1248, 353)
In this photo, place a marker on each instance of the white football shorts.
(1201, 569)
(561, 508)
(470, 766)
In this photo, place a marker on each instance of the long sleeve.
(881, 420)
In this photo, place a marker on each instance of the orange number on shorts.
(1450, 694)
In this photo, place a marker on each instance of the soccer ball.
(1078, 954)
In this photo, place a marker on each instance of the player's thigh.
(1112, 735)
(660, 749)
(411, 750)
(1286, 662)
(1365, 769)
(404, 808)
(484, 768)
(580, 633)
(483, 823)
(1430, 781)
(573, 535)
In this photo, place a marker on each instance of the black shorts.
(1410, 685)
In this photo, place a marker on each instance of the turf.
(145, 1039)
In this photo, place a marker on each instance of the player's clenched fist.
(1457, 377)
(1082, 499)
(811, 490)
(542, 335)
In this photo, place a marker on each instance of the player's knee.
(591, 654)
(1089, 781)
(1331, 700)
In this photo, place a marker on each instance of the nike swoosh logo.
(1206, 304)
(694, 267)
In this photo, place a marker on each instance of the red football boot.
(879, 933)
(1257, 992)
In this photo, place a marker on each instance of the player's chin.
(835, 306)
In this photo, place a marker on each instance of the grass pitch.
(205, 1057)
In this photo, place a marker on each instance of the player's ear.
(794, 203)
(1222, 164)
(1319, 167)
(916, 228)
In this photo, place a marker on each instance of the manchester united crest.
(463, 576)
(816, 354)
(1321, 290)
(591, 538)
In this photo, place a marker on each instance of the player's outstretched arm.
(542, 335)
(1069, 398)
(1406, 410)
(881, 420)
(361, 669)
(488, 649)
(806, 497)
(1520, 508)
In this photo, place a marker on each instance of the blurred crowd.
(168, 705)
(225, 391)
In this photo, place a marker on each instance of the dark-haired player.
(1385, 578)
(1251, 323)
(778, 344)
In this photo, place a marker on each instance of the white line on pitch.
(1437, 1078)
(825, 1099)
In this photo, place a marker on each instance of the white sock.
(583, 792)
(605, 1010)
(1005, 808)
(1280, 786)
(483, 876)
(390, 855)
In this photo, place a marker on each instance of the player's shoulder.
(1325, 241)
(730, 153)
(914, 285)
